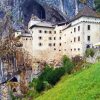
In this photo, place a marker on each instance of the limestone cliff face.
(51, 10)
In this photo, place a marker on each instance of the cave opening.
(31, 7)
(14, 79)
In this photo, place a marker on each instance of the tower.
(76, 7)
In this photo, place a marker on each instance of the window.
(60, 31)
(54, 38)
(59, 44)
(88, 27)
(78, 49)
(50, 44)
(45, 31)
(40, 31)
(74, 39)
(54, 48)
(71, 49)
(54, 44)
(88, 38)
(50, 32)
(50, 38)
(74, 29)
(40, 44)
(26, 39)
(78, 38)
(78, 28)
(88, 46)
(40, 38)
(54, 32)
(60, 38)
(74, 49)
(59, 50)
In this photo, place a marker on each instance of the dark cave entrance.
(14, 79)
(32, 7)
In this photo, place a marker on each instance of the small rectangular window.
(50, 32)
(59, 44)
(40, 31)
(74, 49)
(54, 32)
(50, 38)
(54, 38)
(74, 29)
(40, 44)
(45, 31)
(40, 38)
(78, 28)
(74, 39)
(50, 44)
(71, 49)
(54, 48)
(88, 27)
(78, 49)
(79, 38)
(60, 31)
(60, 38)
(54, 44)
(88, 38)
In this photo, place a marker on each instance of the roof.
(87, 12)
(26, 35)
(42, 24)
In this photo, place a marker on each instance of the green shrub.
(51, 75)
(47, 85)
(67, 64)
(47, 72)
(55, 76)
(39, 86)
(89, 52)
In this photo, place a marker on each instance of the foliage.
(47, 79)
(32, 94)
(40, 86)
(77, 59)
(13, 97)
(98, 58)
(55, 76)
(82, 85)
(97, 5)
(89, 52)
(51, 76)
(67, 64)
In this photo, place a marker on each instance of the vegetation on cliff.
(83, 85)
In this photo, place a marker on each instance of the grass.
(84, 85)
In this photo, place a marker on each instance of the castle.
(49, 42)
